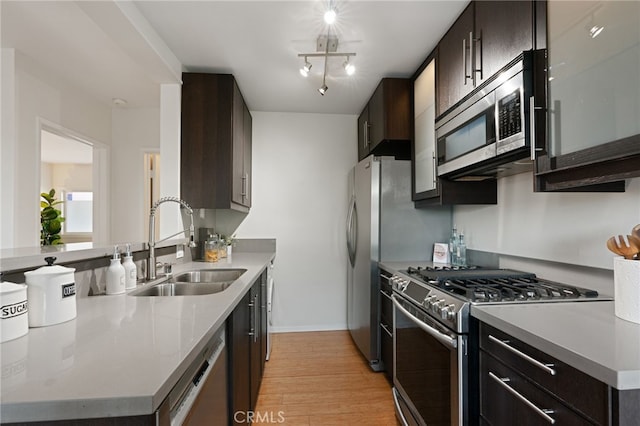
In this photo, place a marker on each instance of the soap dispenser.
(130, 270)
(115, 274)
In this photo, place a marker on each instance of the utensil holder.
(626, 278)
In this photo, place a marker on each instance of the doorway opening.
(72, 166)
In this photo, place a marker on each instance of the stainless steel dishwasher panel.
(200, 396)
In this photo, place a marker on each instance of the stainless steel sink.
(193, 283)
(182, 289)
(209, 275)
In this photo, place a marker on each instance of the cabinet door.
(238, 180)
(256, 355)
(503, 30)
(377, 123)
(206, 133)
(424, 100)
(246, 155)
(593, 109)
(454, 62)
(363, 133)
(239, 350)
(390, 116)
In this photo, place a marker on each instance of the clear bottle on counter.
(462, 251)
(211, 249)
(453, 246)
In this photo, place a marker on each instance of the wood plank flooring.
(320, 378)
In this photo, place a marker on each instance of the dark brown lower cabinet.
(386, 326)
(246, 352)
(522, 385)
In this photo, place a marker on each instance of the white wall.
(300, 168)
(570, 228)
(135, 131)
(40, 96)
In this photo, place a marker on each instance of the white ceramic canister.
(51, 291)
(14, 320)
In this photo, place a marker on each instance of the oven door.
(430, 369)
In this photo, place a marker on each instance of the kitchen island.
(121, 355)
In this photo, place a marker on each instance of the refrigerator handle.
(350, 223)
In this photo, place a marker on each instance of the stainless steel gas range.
(434, 339)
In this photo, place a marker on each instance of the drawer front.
(577, 389)
(506, 398)
(386, 350)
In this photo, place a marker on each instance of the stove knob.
(450, 313)
(428, 301)
(444, 312)
(437, 306)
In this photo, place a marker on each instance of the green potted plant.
(50, 219)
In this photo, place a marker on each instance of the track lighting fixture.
(327, 47)
(306, 68)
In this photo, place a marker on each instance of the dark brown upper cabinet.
(384, 126)
(485, 37)
(215, 149)
(593, 101)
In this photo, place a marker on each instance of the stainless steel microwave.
(490, 128)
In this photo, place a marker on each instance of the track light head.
(306, 68)
(323, 89)
(349, 68)
(330, 16)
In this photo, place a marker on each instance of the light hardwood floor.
(320, 378)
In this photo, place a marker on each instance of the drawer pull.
(545, 367)
(385, 327)
(544, 413)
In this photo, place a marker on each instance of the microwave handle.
(532, 126)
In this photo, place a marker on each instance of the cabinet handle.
(386, 328)
(255, 318)
(543, 412)
(532, 126)
(473, 42)
(540, 365)
(464, 61)
(365, 131)
(245, 177)
(252, 306)
(435, 177)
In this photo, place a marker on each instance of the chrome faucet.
(151, 261)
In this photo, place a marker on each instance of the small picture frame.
(441, 253)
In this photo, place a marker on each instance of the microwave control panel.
(509, 115)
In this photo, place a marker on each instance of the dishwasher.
(200, 396)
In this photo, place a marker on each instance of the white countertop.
(585, 335)
(121, 355)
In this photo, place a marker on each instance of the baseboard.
(307, 328)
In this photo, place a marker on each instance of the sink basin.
(209, 276)
(182, 289)
(193, 283)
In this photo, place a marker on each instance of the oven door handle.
(442, 338)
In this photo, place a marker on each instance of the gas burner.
(515, 289)
(424, 271)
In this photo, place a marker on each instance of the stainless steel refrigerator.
(382, 224)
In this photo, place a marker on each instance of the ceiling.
(93, 45)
